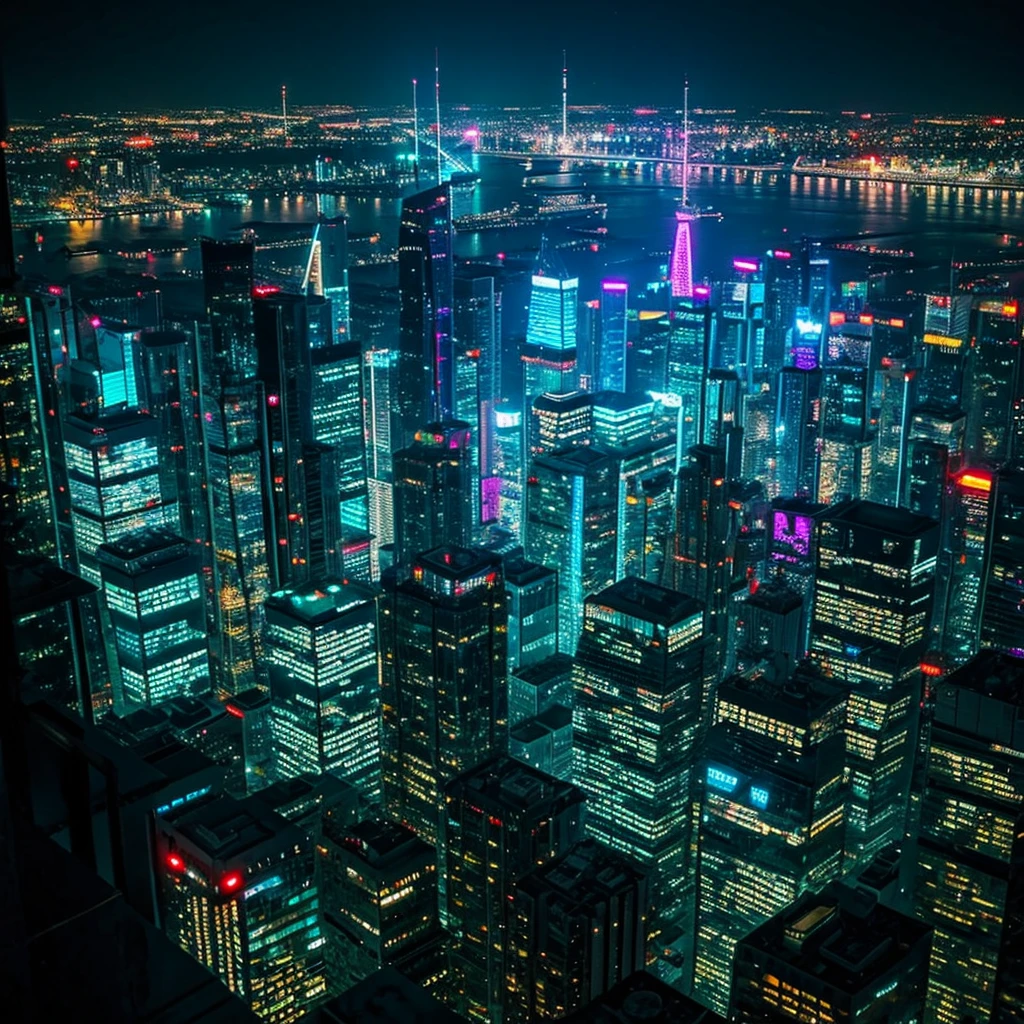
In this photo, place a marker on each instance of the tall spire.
(565, 100)
(284, 111)
(415, 130)
(437, 113)
(686, 143)
(681, 266)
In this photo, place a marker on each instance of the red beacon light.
(175, 863)
(230, 882)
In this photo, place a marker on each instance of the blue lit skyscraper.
(549, 355)
(611, 358)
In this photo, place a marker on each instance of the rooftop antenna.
(565, 96)
(437, 114)
(284, 111)
(686, 142)
(415, 129)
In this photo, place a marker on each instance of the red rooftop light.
(230, 882)
(174, 862)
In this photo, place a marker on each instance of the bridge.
(905, 178)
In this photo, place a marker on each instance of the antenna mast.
(565, 97)
(686, 143)
(284, 111)
(437, 114)
(415, 129)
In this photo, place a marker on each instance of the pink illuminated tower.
(681, 268)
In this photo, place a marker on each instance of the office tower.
(688, 364)
(320, 653)
(426, 364)
(943, 381)
(443, 686)
(886, 483)
(611, 361)
(532, 591)
(253, 707)
(545, 741)
(501, 820)
(1003, 608)
(935, 448)
(572, 505)
(467, 410)
(560, 421)
(549, 353)
(792, 548)
(704, 540)
(477, 324)
(723, 404)
(579, 929)
(643, 993)
(316, 803)
(380, 379)
(995, 381)
(832, 955)
(873, 601)
(509, 464)
(535, 687)
(640, 667)
(168, 381)
(322, 549)
(771, 814)
(151, 585)
(117, 360)
(970, 880)
(432, 490)
(759, 457)
(228, 292)
(739, 333)
(680, 272)
(337, 400)
(768, 628)
(387, 997)
(816, 294)
(647, 353)
(331, 235)
(236, 481)
(378, 893)
(237, 894)
(781, 298)
(114, 477)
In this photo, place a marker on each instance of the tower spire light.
(284, 111)
(415, 129)
(565, 98)
(437, 113)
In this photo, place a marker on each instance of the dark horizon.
(214, 58)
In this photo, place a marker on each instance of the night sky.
(898, 55)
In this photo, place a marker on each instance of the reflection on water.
(762, 210)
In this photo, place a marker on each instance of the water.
(760, 211)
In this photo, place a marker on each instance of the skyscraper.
(639, 670)
(532, 612)
(1002, 620)
(151, 586)
(572, 513)
(970, 879)
(444, 699)
(432, 490)
(549, 354)
(320, 652)
(689, 362)
(228, 291)
(611, 357)
(579, 929)
(772, 811)
(501, 820)
(872, 607)
(237, 894)
(426, 366)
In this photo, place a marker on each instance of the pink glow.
(701, 290)
(95, 322)
(614, 286)
(749, 266)
(471, 133)
(681, 267)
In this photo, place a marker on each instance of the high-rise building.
(228, 292)
(532, 612)
(426, 366)
(580, 928)
(237, 893)
(432, 490)
(771, 815)
(320, 652)
(1002, 619)
(535, 687)
(236, 482)
(572, 513)
(833, 955)
(444, 664)
(331, 234)
(781, 298)
(501, 820)
(549, 353)
(545, 741)
(380, 383)
(691, 336)
(767, 628)
(611, 356)
(639, 671)
(560, 421)
(151, 586)
(509, 466)
(970, 849)
(873, 601)
(378, 891)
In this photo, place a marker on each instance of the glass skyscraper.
(549, 354)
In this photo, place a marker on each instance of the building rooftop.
(544, 671)
(513, 786)
(588, 873)
(380, 842)
(162, 339)
(385, 997)
(315, 603)
(886, 518)
(222, 828)
(775, 596)
(520, 571)
(621, 401)
(568, 402)
(154, 546)
(549, 720)
(841, 938)
(985, 699)
(578, 459)
(648, 602)
(452, 562)
(800, 506)
(36, 583)
(643, 999)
